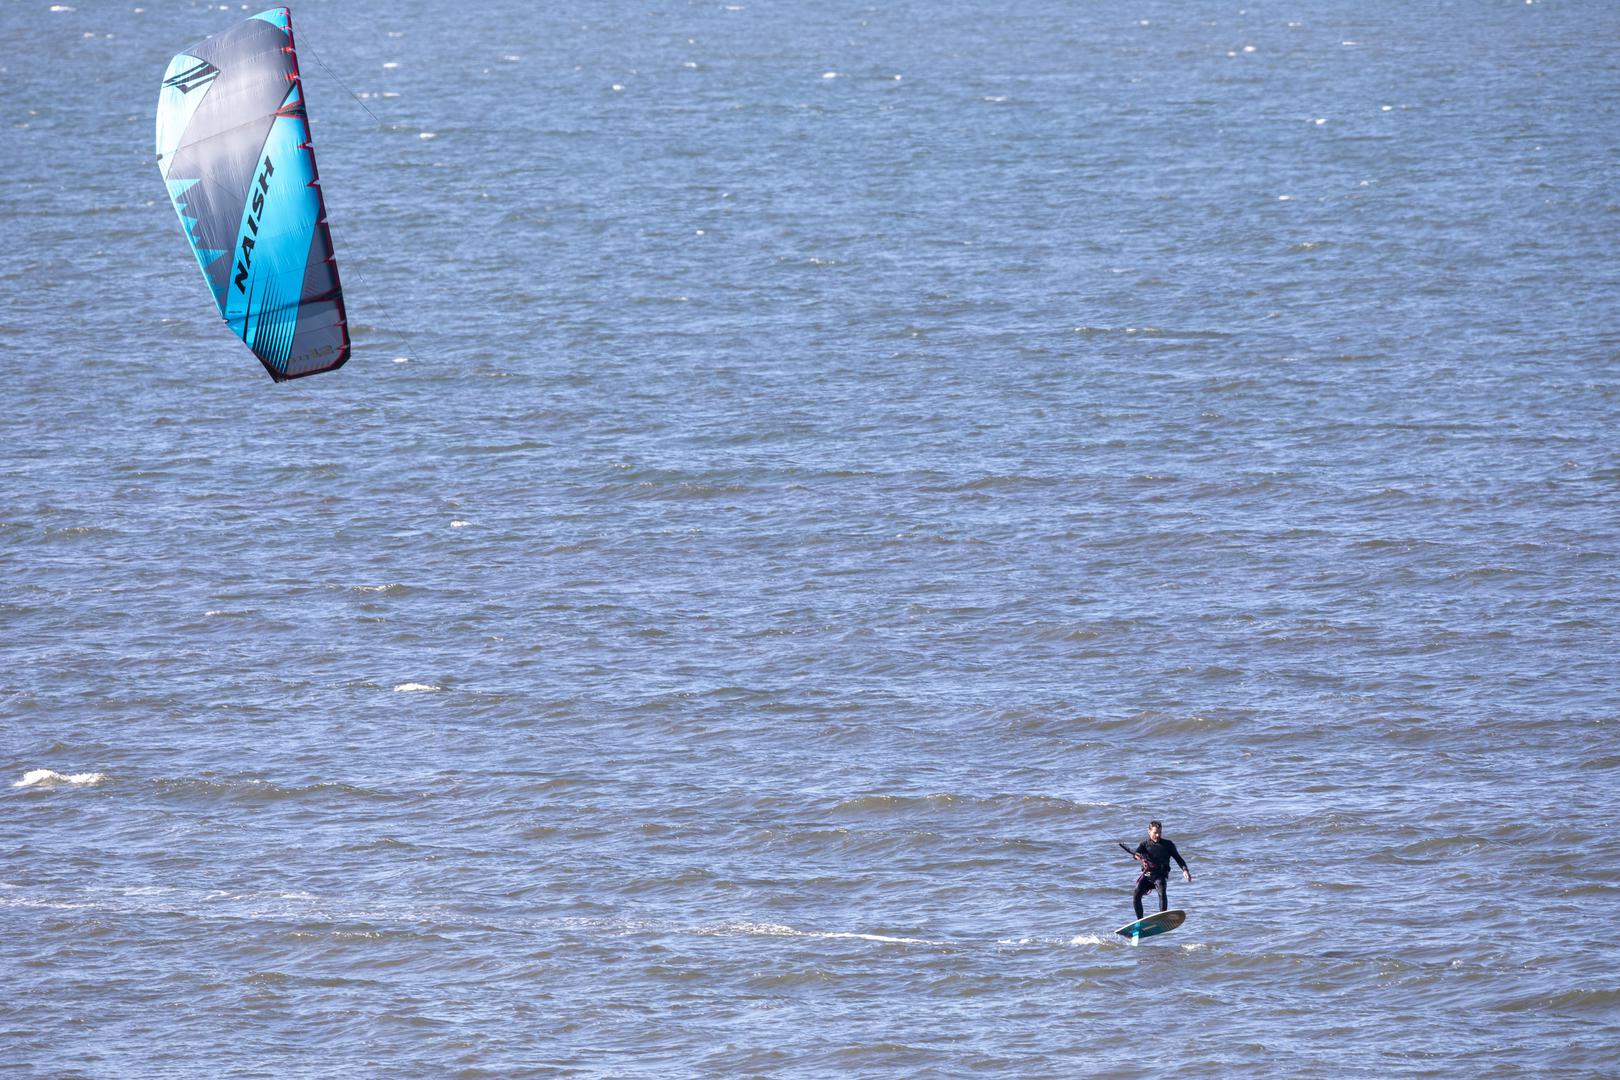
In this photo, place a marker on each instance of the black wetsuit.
(1155, 858)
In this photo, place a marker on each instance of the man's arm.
(1175, 854)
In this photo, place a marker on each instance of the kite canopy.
(233, 144)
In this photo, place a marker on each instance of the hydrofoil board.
(1160, 923)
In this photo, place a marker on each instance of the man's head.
(1154, 829)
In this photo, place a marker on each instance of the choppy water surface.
(811, 479)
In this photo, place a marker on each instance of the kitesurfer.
(1155, 854)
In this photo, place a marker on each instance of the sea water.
(811, 479)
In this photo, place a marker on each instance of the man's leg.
(1164, 902)
(1143, 884)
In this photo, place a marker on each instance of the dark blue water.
(812, 478)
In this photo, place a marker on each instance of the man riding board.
(1155, 854)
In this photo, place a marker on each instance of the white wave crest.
(52, 778)
(778, 930)
(416, 688)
